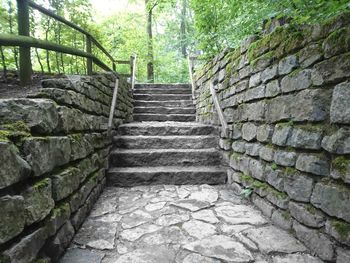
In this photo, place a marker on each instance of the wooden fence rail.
(25, 43)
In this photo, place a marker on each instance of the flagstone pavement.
(181, 224)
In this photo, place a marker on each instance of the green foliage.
(247, 192)
(226, 23)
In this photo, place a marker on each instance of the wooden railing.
(25, 42)
(224, 126)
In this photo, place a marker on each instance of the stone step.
(165, 110)
(167, 128)
(132, 176)
(165, 103)
(164, 117)
(164, 157)
(162, 91)
(162, 97)
(165, 142)
(162, 86)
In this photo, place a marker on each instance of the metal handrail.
(133, 71)
(224, 126)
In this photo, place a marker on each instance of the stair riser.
(165, 143)
(179, 103)
(170, 130)
(162, 97)
(162, 86)
(162, 91)
(164, 110)
(181, 118)
(159, 178)
(125, 159)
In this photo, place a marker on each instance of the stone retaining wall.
(54, 148)
(286, 96)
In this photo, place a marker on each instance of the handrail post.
(216, 102)
(89, 50)
(25, 64)
(133, 71)
(190, 69)
(114, 101)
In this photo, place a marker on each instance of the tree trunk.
(15, 52)
(39, 60)
(3, 63)
(183, 29)
(150, 55)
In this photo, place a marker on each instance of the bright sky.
(105, 8)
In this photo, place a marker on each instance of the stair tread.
(164, 124)
(164, 114)
(149, 151)
(163, 136)
(152, 169)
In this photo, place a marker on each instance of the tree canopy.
(162, 36)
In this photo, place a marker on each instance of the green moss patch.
(341, 164)
(342, 228)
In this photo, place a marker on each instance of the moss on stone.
(279, 195)
(290, 170)
(14, 132)
(259, 185)
(311, 209)
(61, 209)
(340, 164)
(274, 166)
(42, 184)
(246, 178)
(266, 56)
(342, 228)
(281, 125)
(286, 215)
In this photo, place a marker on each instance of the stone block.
(12, 217)
(269, 73)
(236, 131)
(64, 183)
(40, 115)
(281, 134)
(255, 80)
(341, 169)
(13, 167)
(273, 88)
(279, 199)
(305, 139)
(315, 106)
(315, 240)
(267, 153)
(297, 80)
(340, 106)
(256, 169)
(343, 255)
(338, 142)
(239, 146)
(80, 146)
(275, 178)
(307, 214)
(44, 154)
(60, 215)
(249, 131)
(57, 245)
(264, 133)
(252, 149)
(252, 111)
(282, 219)
(266, 207)
(317, 164)
(333, 199)
(287, 64)
(65, 124)
(225, 144)
(26, 249)
(285, 158)
(310, 54)
(38, 201)
(337, 42)
(332, 70)
(340, 230)
(298, 186)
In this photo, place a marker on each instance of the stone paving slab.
(181, 224)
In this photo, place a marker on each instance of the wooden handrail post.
(25, 64)
(89, 50)
(216, 102)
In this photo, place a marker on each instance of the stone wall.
(286, 97)
(54, 148)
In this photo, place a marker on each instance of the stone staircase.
(164, 145)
